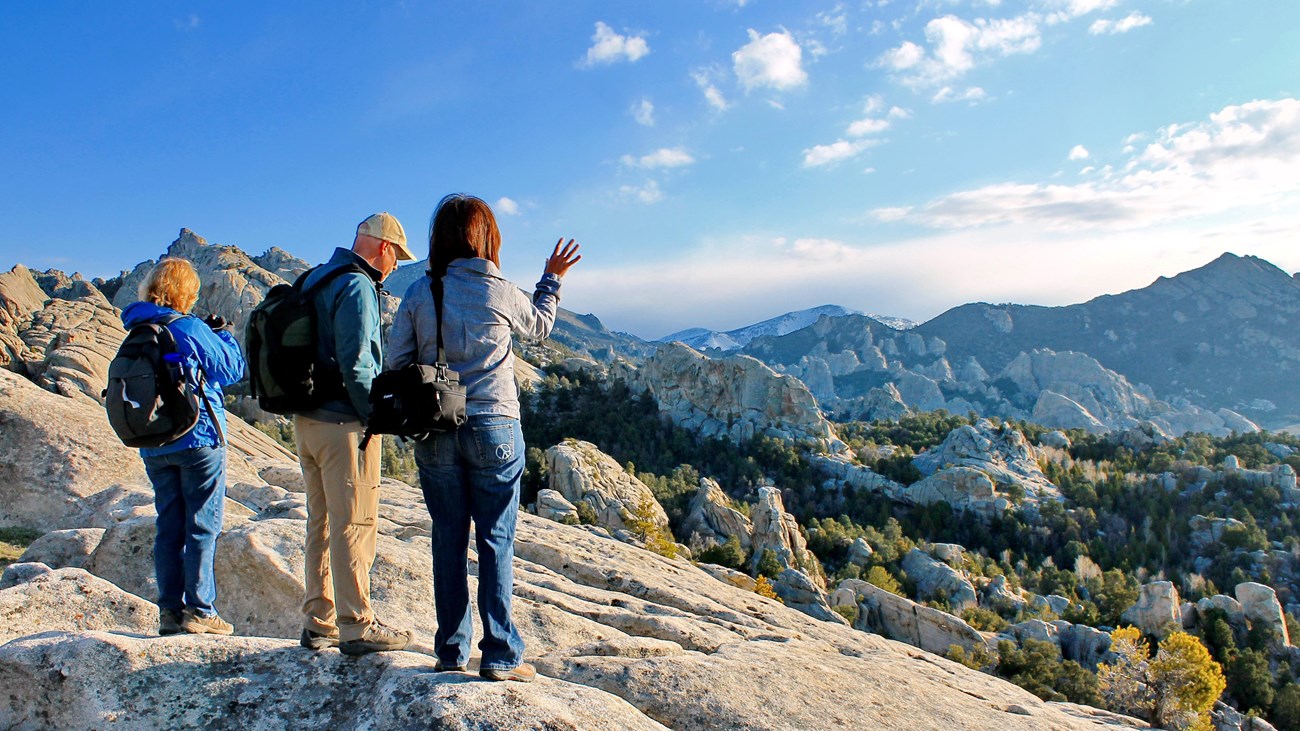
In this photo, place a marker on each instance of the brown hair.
(462, 227)
(172, 283)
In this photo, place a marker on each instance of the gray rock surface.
(131, 683)
(902, 619)
(71, 600)
(552, 506)
(64, 548)
(935, 579)
(1157, 611)
(736, 397)
(580, 472)
(711, 519)
(1260, 605)
(1001, 453)
(778, 531)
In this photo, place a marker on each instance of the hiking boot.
(196, 625)
(317, 640)
(377, 638)
(441, 667)
(524, 673)
(169, 622)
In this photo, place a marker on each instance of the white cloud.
(647, 193)
(664, 157)
(774, 60)
(611, 47)
(1124, 25)
(188, 23)
(704, 80)
(507, 206)
(873, 122)
(947, 94)
(1239, 162)
(835, 19)
(1078, 152)
(956, 46)
(868, 126)
(644, 113)
(819, 155)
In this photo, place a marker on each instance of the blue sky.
(720, 161)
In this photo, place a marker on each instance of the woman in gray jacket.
(474, 473)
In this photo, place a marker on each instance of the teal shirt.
(348, 334)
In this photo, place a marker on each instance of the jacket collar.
(343, 257)
(482, 266)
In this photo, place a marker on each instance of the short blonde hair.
(172, 283)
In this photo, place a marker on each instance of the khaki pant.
(342, 506)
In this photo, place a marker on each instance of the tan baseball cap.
(384, 226)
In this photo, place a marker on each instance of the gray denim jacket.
(481, 309)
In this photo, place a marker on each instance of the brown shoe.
(169, 623)
(524, 673)
(196, 625)
(376, 638)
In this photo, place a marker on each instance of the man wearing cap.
(342, 482)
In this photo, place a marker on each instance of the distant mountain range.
(705, 339)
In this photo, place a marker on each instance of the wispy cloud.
(819, 155)
(704, 79)
(505, 205)
(664, 157)
(646, 193)
(644, 112)
(947, 94)
(1238, 162)
(188, 23)
(1124, 25)
(611, 47)
(774, 60)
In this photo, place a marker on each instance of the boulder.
(1034, 629)
(582, 473)
(1157, 611)
(797, 591)
(778, 531)
(735, 398)
(19, 573)
(71, 600)
(902, 619)
(77, 339)
(935, 580)
(950, 553)
(1056, 439)
(21, 297)
(964, 488)
(1085, 645)
(64, 548)
(552, 506)
(711, 519)
(998, 595)
(884, 404)
(1054, 409)
(1260, 605)
(1207, 532)
(860, 552)
(1001, 453)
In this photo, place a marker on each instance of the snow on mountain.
(703, 338)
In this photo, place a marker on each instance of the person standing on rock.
(474, 473)
(342, 481)
(189, 474)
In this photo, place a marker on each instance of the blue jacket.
(347, 334)
(216, 353)
(482, 309)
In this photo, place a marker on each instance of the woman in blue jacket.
(474, 473)
(189, 474)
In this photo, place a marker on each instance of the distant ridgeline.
(1215, 349)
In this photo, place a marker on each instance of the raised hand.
(562, 259)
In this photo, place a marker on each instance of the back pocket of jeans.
(496, 444)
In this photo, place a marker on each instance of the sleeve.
(357, 347)
(533, 319)
(218, 353)
(402, 347)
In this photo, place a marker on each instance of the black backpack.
(283, 372)
(149, 401)
(417, 400)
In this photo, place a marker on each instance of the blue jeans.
(474, 473)
(189, 491)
